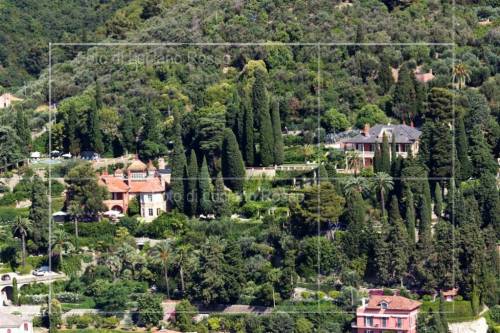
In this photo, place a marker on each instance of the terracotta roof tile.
(114, 184)
(393, 303)
(146, 186)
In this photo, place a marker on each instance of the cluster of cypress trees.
(257, 122)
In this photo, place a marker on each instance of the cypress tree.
(94, 123)
(151, 145)
(127, 131)
(192, 184)
(23, 131)
(260, 102)
(233, 168)
(39, 211)
(15, 292)
(248, 139)
(72, 143)
(384, 78)
(278, 137)
(489, 201)
(377, 159)
(404, 94)
(355, 218)
(394, 154)
(179, 166)
(438, 200)
(462, 149)
(410, 217)
(382, 256)
(480, 153)
(385, 160)
(424, 228)
(204, 189)
(219, 199)
(398, 243)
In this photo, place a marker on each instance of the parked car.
(42, 271)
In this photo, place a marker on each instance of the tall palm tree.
(60, 243)
(461, 75)
(75, 210)
(382, 183)
(182, 252)
(161, 253)
(22, 226)
(355, 184)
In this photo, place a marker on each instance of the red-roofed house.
(387, 313)
(141, 181)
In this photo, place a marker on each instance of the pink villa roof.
(146, 186)
(393, 303)
(114, 184)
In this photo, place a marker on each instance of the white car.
(42, 271)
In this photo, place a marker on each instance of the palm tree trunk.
(76, 233)
(166, 281)
(23, 241)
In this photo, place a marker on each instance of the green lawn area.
(95, 330)
(86, 304)
(456, 311)
(9, 213)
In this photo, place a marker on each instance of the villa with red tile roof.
(387, 314)
(139, 181)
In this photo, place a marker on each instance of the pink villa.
(137, 181)
(387, 314)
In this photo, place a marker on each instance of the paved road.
(26, 279)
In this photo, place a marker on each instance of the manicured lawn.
(9, 213)
(95, 330)
(86, 304)
(456, 311)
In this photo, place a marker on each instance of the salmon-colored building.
(380, 314)
(141, 181)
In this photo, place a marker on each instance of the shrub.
(84, 321)
(427, 298)
(320, 295)
(305, 294)
(71, 265)
(334, 294)
(71, 321)
(110, 322)
(25, 270)
(68, 297)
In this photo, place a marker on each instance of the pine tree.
(438, 200)
(39, 211)
(179, 165)
(260, 102)
(384, 78)
(192, 184)
(385, 160)
(278, 137)
(410, 217)
(219, 198)
(204, 189)
(233, 168)
(382, 256)
(23, 131)
(462, 149)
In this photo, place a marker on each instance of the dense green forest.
(417, 225)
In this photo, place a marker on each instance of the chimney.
(363, 301)
(430, 71)
(161, 163)
(366, 130)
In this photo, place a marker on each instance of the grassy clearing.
(457, 311)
